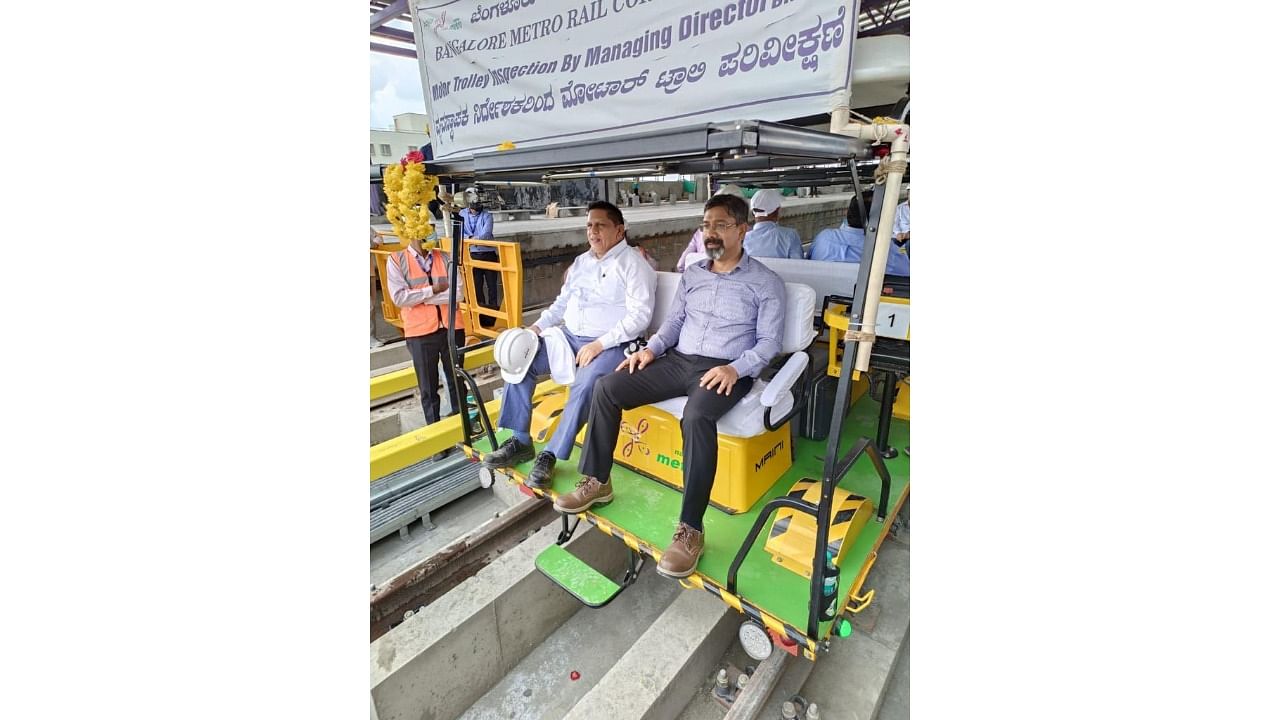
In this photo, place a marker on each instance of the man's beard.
(715, 252)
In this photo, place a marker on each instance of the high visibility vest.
(422, 319)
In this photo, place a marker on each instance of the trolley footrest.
(576, 577)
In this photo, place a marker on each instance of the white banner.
(539, 72)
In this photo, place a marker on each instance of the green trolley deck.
(644, 513)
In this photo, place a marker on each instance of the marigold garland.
(409, 188)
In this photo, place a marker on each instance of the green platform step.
(576, 577)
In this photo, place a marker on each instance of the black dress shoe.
(544, 468)
(510, 453)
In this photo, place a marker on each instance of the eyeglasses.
(718, 227)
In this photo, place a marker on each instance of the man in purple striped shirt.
(724, 327)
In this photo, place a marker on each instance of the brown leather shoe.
(681, 557)
(590, 491)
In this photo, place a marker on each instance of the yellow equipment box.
(902, 406)
(746, 468)
(792, 536)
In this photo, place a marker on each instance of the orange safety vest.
(422, 319)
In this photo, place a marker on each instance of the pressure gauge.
(755, 640)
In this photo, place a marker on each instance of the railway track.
(510, 644)
(427, 580)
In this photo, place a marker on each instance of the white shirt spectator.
(902, 219)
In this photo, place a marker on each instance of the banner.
(540, 72)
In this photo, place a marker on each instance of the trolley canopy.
(762, 151)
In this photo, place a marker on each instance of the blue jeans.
(517, 398)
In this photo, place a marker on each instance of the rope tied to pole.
(887, 166)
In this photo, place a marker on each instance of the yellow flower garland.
(409, 188)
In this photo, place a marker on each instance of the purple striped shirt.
(736, 316)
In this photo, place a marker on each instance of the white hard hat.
(513, 350)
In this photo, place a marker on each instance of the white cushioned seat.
(827, 278)
(746, 419)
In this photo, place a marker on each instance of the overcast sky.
(394, 88)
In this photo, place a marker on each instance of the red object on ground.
(573, 675)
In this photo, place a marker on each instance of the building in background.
(388, 146)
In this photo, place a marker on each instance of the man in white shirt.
(606, 302)
(767, 238)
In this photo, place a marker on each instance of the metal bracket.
(862, 602)
(566, 531)
(633, 568)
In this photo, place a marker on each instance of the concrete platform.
(538, 233)
(591, 642)
(862, 677)
(662, 670)
(548, 245)
(897, 696)
(392, 353)
(851, 681)
(439, 662)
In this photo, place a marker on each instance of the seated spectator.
(767, 238)
(844, 244)
(696, 246)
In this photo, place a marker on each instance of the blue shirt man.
(768, 238)
(478, 223)
(844, 244)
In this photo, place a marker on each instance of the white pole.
(884, 245)
(873, 133)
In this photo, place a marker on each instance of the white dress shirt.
(610, 298)
(902, 219)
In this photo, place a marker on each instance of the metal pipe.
(890, 380)
(625, 172)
